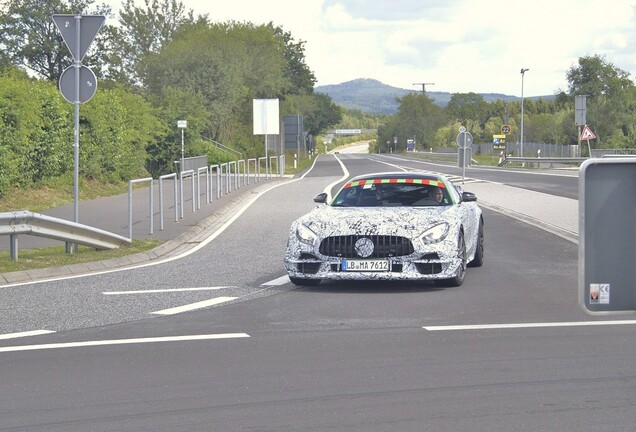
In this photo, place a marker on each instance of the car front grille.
(383, 246)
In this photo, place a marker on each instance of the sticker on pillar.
(599, 293)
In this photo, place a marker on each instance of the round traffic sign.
(87, 84)
(464, 140)
(505, 129)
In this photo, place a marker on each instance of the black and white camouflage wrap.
(410, 222)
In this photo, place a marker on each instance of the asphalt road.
(339, 356)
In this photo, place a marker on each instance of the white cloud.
(460, 45)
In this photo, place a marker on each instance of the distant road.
(361, 147)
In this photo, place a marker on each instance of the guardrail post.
(13, 246)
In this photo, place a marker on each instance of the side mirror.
(321, 198)
(468, 197)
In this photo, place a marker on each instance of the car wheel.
(304, 282)
(478, 261)
(458, 279)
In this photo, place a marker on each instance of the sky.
(457, 46)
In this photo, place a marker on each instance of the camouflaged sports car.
(388, 226)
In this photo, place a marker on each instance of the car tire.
(459, 277)
(304, 282)
(478, 261)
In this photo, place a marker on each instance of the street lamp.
(523, 71)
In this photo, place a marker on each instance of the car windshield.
(391, 193)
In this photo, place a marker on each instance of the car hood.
(398, 221)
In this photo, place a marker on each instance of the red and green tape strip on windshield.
(395, 181)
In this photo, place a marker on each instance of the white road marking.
(193, 306)
(345, 176)
(165, 290)
(124, 342)
(278, 281)
(528, 325)
(25, 334)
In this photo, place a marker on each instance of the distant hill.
(372, 96)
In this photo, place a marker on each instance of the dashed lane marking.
(124, 342)
(194, 306)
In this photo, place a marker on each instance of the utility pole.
(523, 72)
(423, 86)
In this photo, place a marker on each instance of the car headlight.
(436, 233)
(305, 235)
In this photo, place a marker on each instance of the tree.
(30, 39)
(610, 97)
(301, 77)
(144, 31)
(470, 109)
(227, 65)
(174, 105)
(418, 118)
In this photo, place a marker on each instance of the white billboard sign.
(266, 117)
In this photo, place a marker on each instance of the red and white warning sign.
(587, 133)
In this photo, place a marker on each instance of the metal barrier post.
(191, 173)
(271, 159)
(239, 163)
(207, 189)
(229, 173)
(176, 206)
(248, 169)
(130, 221)
(259, 167)
(215, 168)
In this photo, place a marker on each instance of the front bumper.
(401, 268)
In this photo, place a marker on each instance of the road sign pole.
(78, 64)
(464, 162)
(77, 43)
(72, 247)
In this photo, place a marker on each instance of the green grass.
(56, 256)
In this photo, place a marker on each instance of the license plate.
(366, 265)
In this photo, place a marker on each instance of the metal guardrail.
(26, 222)
(561, 160)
